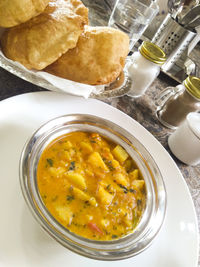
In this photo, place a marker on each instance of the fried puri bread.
(98, 58)
(14, 12)
(43, 39)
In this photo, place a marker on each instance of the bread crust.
(43, 39)
(98, 58)
(14, 12)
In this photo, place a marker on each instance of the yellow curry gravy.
(91, 186)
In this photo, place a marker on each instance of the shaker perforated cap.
(192, 84)
(152, 52)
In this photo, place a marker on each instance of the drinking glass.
(133, 17)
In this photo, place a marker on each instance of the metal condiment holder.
(174, 39)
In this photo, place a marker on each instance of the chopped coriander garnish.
(124, 188)
(109, 164)
(108, 186)
(50, 162)
(72, 166)
(132, 190)
(70, 198)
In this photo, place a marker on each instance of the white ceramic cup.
(185, 141)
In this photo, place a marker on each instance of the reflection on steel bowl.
(106, 178)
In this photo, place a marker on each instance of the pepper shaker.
(174, 103)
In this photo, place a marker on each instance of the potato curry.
(91, 186)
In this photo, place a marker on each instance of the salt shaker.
(174, 103)
(144, 67)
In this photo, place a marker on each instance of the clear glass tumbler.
(133, 17)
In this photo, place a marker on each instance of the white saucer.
(23, 243)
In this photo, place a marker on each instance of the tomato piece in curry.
(91, 186)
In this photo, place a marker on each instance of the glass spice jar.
(174, 103)
(144, 67)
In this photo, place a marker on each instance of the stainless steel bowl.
(154, 212)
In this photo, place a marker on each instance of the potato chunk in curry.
(91, 186)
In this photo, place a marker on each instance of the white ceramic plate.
(23, 243)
